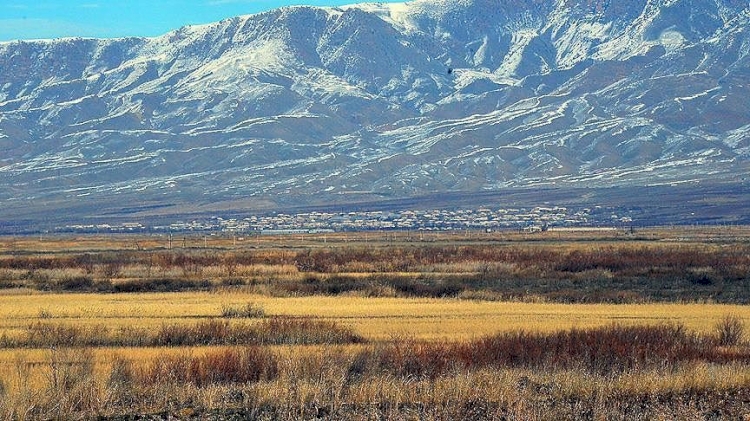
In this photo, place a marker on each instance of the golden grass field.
(374, 318)
(312, 374)
(377, 319)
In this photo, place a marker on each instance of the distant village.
(529, 219)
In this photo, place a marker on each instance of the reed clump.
(268, 331)
(605, 350)
(234, 365)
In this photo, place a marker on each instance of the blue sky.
(35, 19)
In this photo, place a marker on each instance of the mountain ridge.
(308, 105)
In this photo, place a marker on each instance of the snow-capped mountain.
(310, 105)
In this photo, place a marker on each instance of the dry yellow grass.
(297, 384)
(377, 319)
(374, 318)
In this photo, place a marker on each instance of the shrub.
(730, 330)
(162, 285)
(212, 332)
(121, 383)
(72, 383)
(69, 368)
(288, 331)
(77, 283)
(52, 335)
(249, 310)
(7, 284)
(166, 369)
(104, 286)
(112, 270)
(233, 282)
(121, 374)
(245, 365)
(607, 349)
(239, 365)
(406, 358)
(273, 331)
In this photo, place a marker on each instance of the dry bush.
(23, 395)
(273, 331)
(77, 283)
(302, 331)
(453, 267)
(359, 267)
(244, 365)
(265, 270)
(162, 285)
(608, 349)
(121, 375)
(72, 383)
(374, 290)
(55, 335)
(211, 332)
(483, 295)
(730, 330)
(406, 358)
(248, 311)
(236, 365)
(230, 265)
(111, 270)
(139, 270)
(52, 335)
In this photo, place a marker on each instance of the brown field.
(578, 325)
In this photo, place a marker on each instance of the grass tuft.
(248, 311)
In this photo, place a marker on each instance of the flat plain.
(583, 324)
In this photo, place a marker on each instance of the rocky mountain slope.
(306, 105)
